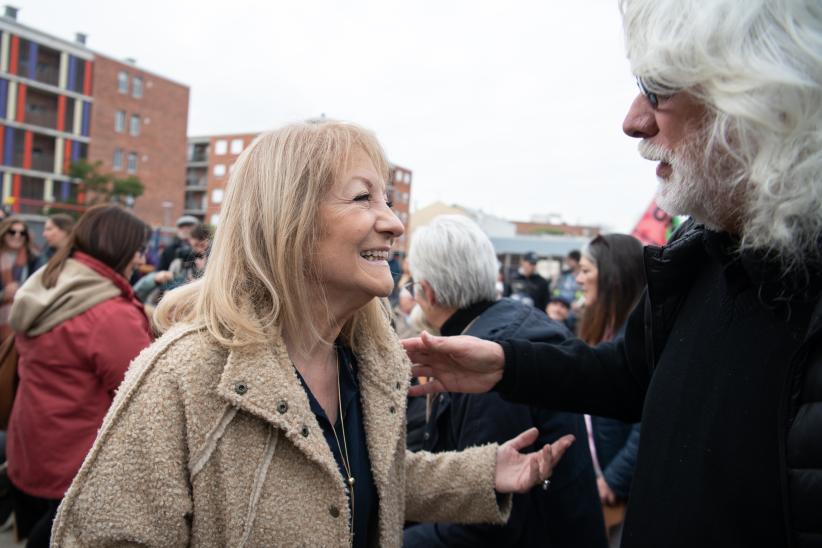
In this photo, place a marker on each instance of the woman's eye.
(362, 197)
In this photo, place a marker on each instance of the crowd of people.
(248, 387)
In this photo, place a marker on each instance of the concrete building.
(61, 102)
(211, 158)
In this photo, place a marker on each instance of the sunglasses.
(653, 97)
(23, 232)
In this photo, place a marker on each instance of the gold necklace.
(345, 459)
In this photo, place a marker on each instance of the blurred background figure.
(455, 269)
(18, 260)
(559, 310)
(56, 231)
(527, 285)
(567, 288)
(179, 246)
(189, 265)
(78, 325)
(611, 278)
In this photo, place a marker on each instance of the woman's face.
(587, 279)
(53, 234)
(359, 230)
(137, 261)
(15, 237)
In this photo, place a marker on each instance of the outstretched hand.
(457, 364)
(518, 472)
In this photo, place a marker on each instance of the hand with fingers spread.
(518, 472)
(457, 364)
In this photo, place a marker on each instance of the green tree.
(104, 187)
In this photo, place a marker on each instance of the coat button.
(282, 407)
(334, 511)
(241, 388)
(426, 436)
(398, 386)
(392, 409)
(304, 431)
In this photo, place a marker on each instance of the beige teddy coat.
(209, 446)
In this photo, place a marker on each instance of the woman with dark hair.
(611, 278)
(18, 260)
(78, 325)
(56, 231)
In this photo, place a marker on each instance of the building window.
(236, 146)
(221, 147)
(137, 87)
(219, 170)
(215, 219)
(117, 163)
(120, 121)
(132, 162)
(134, 125)
(217, 196)
(122, 82)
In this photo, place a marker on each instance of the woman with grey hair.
(455, 266)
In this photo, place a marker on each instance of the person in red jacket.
(78, 326)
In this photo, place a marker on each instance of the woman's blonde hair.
(260, 270)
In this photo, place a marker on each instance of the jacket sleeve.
(620, 471)
(480, 419)
(119, 333)
(133, 488)
(454, 486)
(608, 380)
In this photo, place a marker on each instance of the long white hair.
(757, 65)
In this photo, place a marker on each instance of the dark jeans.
(34, 517)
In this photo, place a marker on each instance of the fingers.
(524, 439)
(422, 371)
(559, 447)
(432, 387)
(412, 345)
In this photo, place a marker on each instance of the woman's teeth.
(375, 255)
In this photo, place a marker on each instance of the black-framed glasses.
(410, 287)
(13, 232)
(653, 96)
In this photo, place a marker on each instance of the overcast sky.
(514, 108)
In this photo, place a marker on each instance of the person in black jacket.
(722, 358)
(527, 285)
(454, 265)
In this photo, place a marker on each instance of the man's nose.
(640, 121)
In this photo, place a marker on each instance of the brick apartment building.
(210, 159)
(61, 102)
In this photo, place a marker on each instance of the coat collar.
(260, 379)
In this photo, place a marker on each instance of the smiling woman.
(272, 411)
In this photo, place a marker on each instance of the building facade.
(211, 159)
(61, 102)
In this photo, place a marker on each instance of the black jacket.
(617, 444)
(533, 287)
(723, 361)
(568, 514)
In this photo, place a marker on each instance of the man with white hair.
(722, 360)
(455, 268)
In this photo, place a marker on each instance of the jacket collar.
(105, 271)
(260, 379)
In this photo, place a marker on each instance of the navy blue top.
(364, 509)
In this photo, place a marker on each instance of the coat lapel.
(384, 376)
(260, 380)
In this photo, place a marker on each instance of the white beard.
(694, 187)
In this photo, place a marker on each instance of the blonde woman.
(272, 411)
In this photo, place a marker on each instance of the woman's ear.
(428, 292)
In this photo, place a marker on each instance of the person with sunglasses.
(78, 326)
(18, 260)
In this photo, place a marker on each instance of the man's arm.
(608, 380)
